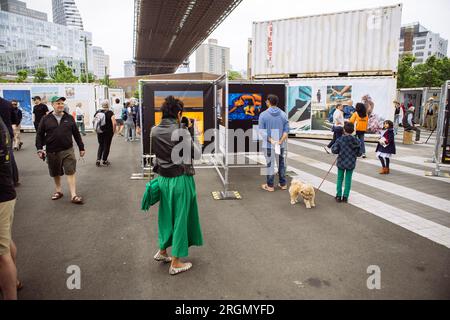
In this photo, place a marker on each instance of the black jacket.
(7, 191)
(390, 138)
(7, 115)
(162, 146)
(17, 116)
(58, 137)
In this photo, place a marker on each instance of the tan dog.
(305, 190)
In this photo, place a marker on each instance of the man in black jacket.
(55, 132)
(40, 110)
(8, 116)
(17, 120)
(8, 270)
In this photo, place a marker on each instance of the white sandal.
(175, 271)
(162, 258)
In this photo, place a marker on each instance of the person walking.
(431, 115)
(8, 116)
(16, 125)
(79, 117)
(408, 123)
(348, 149)
(274, 131)
(178, 218)
(397, 116)
(55, 132)
(40, 110)
(338, 126)
(105, 137)
(361, 119)
(386, 146)
(8, 251)
(118, 110)
(130, 128)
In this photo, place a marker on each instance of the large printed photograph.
(244, 106)
(192, 100)
(23, 97)
(300, 108)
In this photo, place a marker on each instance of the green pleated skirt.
(178, 220)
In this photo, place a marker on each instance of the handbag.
(152, 195)
(383, 142)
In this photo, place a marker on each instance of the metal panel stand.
(437, 172)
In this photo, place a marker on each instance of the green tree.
(106, 81)
(22, 76)
(234, 75)
(63, 74)
(406, 72)
(40, 76)
(433, 73)
(91, 78)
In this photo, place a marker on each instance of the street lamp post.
(86, 70)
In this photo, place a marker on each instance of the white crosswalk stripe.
(401, 191)
(412, 222)
(397, 167)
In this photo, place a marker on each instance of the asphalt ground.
(260, 247)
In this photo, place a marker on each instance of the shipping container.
(355, 43)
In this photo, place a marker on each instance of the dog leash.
(328, 173)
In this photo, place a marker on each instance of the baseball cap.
(57, 98)
(36, 98)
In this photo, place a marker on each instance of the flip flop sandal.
(162, 258)
(267, 188)
(57, 196)
(175, 271)
(77, 200)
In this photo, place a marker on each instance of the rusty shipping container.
(359, 43)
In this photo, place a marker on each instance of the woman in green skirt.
(178, 219)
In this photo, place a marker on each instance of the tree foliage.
(234, 75)
(63, 74)
(91, 78)
(22, 76)
(433, 73)
(40, 76)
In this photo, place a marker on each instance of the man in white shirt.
(117, 109)
(338, 126)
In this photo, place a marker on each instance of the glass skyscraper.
(65, 12)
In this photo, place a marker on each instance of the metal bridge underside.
(167, 32)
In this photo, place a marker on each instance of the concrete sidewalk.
(261, 247)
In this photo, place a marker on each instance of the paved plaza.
(260, 247)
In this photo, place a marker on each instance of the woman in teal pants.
(178, 218)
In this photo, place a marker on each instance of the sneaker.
(162, 258)
(364, 156)
(20, 145)
(338, 199)
(106, 163)
(344, 200)
(98, 163)
(175, 271)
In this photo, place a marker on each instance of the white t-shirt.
(338, 118)
(117, 109)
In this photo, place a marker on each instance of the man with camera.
(55, 132)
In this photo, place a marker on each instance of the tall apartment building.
(20, 7)
(65, 12)
(100, 62)
(416, 40)
(212, 58)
